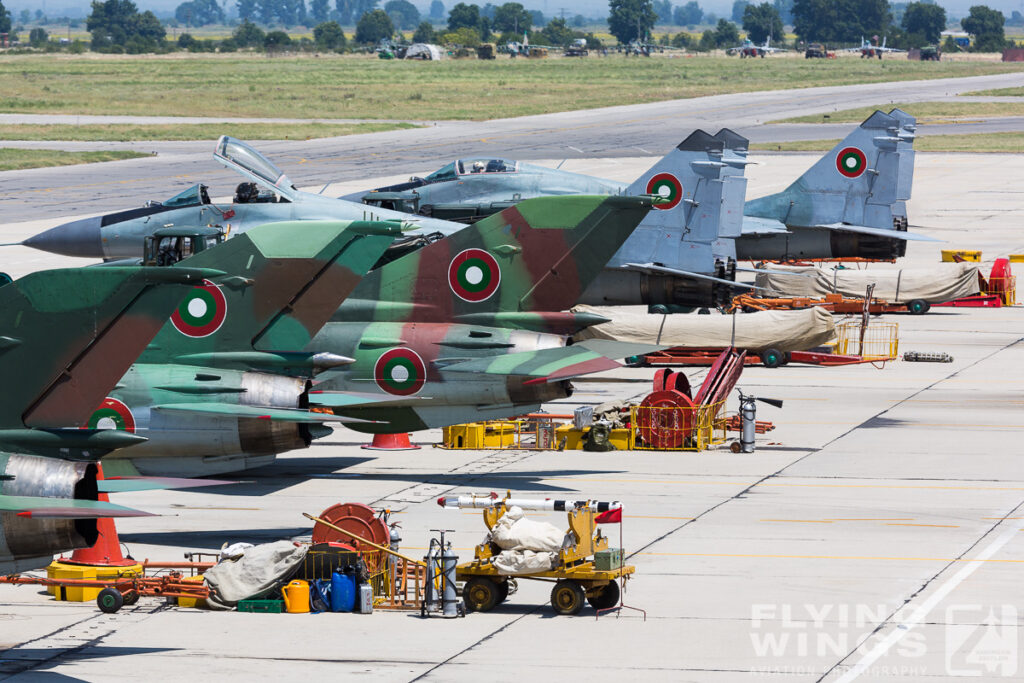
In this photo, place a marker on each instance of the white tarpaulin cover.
(526, 546)
(782, 330)
(259, 568)
(936, 284)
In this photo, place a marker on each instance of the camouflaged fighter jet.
(66, 336)
(473, 326)
(692, 266)
(223, 386)
(851, 203)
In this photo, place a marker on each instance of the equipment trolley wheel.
(481, 594)
(130, 597)
(502, 591)
(608, 597)
(109, 600)
(567, 597)
(918, 307)
(772, 358)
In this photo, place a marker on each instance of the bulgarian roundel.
(474, 275)
(400, 372)
(112, 414)
(202, 312)
(851, 162)
(668, 187)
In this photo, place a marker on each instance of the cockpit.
(485, 165)
(241, 157)
(196, 195)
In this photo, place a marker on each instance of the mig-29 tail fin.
(283, 282)
(67, 336)
(537, 256)
(858, 189)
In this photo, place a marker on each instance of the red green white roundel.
(400, 372)
(474, 275)
(202, 312)
(112, 414)
(667, 186)
(851, 162)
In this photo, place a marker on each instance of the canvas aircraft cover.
(935, 284)
(424, 51)
(782, 330)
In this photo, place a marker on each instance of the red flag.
(613, 516)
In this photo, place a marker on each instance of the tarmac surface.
(875, 535)
(622, 131)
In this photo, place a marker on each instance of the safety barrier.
(1005, 288)
(880, 341)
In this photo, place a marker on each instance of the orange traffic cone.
(391, 442)
(106, 552)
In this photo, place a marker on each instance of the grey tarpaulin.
(261, 568)
(782, 330)
(936, 284)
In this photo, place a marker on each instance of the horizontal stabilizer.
(65, 508)
(124, 484)
(253, 412)
(880, 232)
(552, 365)
(756, 225)
(654, 268)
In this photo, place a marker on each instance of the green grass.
(999, 92)
(332, 86)
(978, 142)
(246, 131)
(18, 159)
(925, 112)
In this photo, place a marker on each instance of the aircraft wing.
(65, 508)
(755, 225)
(350, 399)
(880, 232)
(124, 484)
(254, 412)
(553, 365)
(654, 268)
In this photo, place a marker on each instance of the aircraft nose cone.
(77, 238)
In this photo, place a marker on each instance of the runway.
(622, 131)
(874, 535)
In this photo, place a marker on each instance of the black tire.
(131, 597)
(608, 597)
(109, 600)
(771, 358)
(918, 307)
(480, 594)
(567, 597)
(502, 591)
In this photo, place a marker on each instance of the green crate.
(265, 606)
(607, 560)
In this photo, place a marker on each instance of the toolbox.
(607, 560)
(264, 606)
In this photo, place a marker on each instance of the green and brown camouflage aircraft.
(474, 326)
(66, 337)
(223, 386)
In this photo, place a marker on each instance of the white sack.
(524, 562)
(936, 284)
(259, 569)
(514, 532)
(782, 330)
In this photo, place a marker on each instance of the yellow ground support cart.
(586, 571)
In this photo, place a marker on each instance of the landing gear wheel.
(771, 358)
(109, 600)
(502, 591)
(918, 307)
(567, 597)
(608, 597)
(481, 594)
(131, 597)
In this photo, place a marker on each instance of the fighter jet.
(66, 337)
(473, 326)
(749, 49)
(857, 209)
(871, 48)
(695, 270)
(223, 387)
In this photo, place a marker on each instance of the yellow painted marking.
(943, 526)
(832, 557)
